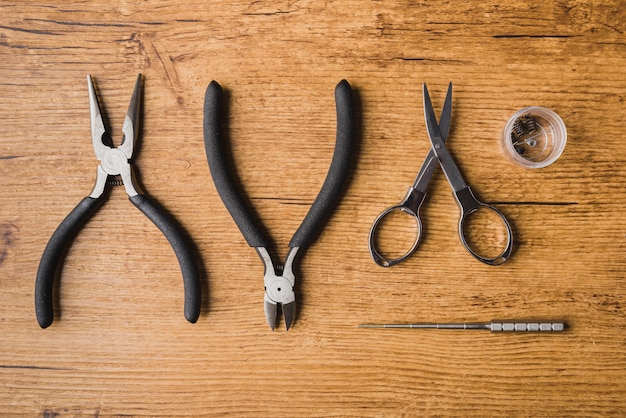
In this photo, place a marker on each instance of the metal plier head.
(279, 284)
(114, 161)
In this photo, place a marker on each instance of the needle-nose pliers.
(115, 164)
(280, 279)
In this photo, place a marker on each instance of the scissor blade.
(438, 144)
(431, 161)
(289, 313)
(446, 114)
(131, 122)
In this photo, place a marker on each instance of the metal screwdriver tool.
(493, 326)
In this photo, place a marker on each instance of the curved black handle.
(219, 172)
(54, 253)
(337, 173)
(183, 248)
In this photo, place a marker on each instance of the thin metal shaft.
(493, 326)
(428, 326)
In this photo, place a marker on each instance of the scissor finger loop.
(470, 206)
(374, 238)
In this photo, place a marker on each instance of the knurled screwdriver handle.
(54, 253)
(183, 247)
(510, 326)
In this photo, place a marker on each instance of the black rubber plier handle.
(115, 162)
(279, 279)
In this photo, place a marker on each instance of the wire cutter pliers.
(280, 279)
(115, 162)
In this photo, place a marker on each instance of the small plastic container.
(534, 137)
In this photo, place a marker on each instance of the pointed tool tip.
(425, 93)
(449, 94)
(289, 313)
(371, 326)
(270, 314)
(90, 85)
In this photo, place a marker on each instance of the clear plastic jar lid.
(534, 137)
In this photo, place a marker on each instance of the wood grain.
(120, 345)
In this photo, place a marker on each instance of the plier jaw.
(271, 312)
(114, 161)
(279, 288)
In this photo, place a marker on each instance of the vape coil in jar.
(534, 137)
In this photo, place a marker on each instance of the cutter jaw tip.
(289, 313)
(271, 313)
(287, 306)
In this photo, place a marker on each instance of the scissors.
(412, 202)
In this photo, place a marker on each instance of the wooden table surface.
(120, 344)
